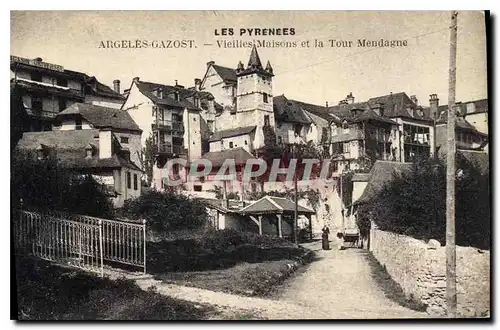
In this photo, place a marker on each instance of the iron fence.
(80, 241)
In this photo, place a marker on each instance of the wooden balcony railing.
(169, 149)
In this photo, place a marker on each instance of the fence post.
(100, 248)
(144, 239)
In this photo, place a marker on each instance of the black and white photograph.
(250, 165)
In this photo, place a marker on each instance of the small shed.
(275, 215)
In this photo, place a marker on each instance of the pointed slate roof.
(227, 74)
(269, 68)
(254, 65)
(289, 111)
(254, 61)
(380, 174)
(70, 148)
(185, 94)
(100, 117)
(369, 114)
(274, 205)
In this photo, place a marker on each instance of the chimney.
(160, 93)
(326, 104)
(414, 99)
(105, 143)
(210, 64)
(434, 106)
(136, 79)
(349, 98)
(197, 84)
(116, 85)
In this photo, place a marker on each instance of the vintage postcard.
(250, 165)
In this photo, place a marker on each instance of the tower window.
(264, 96)
(124, 139)
(266, 120)
(230, 144)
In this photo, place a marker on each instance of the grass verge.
(244, 278)
(49, 292)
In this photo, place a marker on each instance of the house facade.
(82, 116)
(97, 152)
(47, 89)
(171, 117)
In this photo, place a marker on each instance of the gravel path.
(337, 286)
(341, 283)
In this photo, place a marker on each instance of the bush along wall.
(414, 203)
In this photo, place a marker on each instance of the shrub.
(220, 239)
(414, 203)
(45, 184)
(166, 211)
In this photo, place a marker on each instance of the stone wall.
(420, 269)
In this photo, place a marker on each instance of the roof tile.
(102, 116)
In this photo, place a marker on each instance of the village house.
(82, 116)
(476, 113)
(170, 117)
(46, 89)
(93, 151)
(469, 136)
(229, 187)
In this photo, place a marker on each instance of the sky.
(315, 75)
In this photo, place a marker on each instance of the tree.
(413, 203)
(45, 184)
(147, 159)
(166, 210)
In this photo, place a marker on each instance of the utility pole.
(451, 284)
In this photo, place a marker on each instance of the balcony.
(169, 149)
(163, 125)
(178, 126)
(41, 113)
(49, 89)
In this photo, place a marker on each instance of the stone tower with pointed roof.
(254, 96)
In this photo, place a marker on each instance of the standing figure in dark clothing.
(326, 232)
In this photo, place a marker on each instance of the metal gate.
(80, 241)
